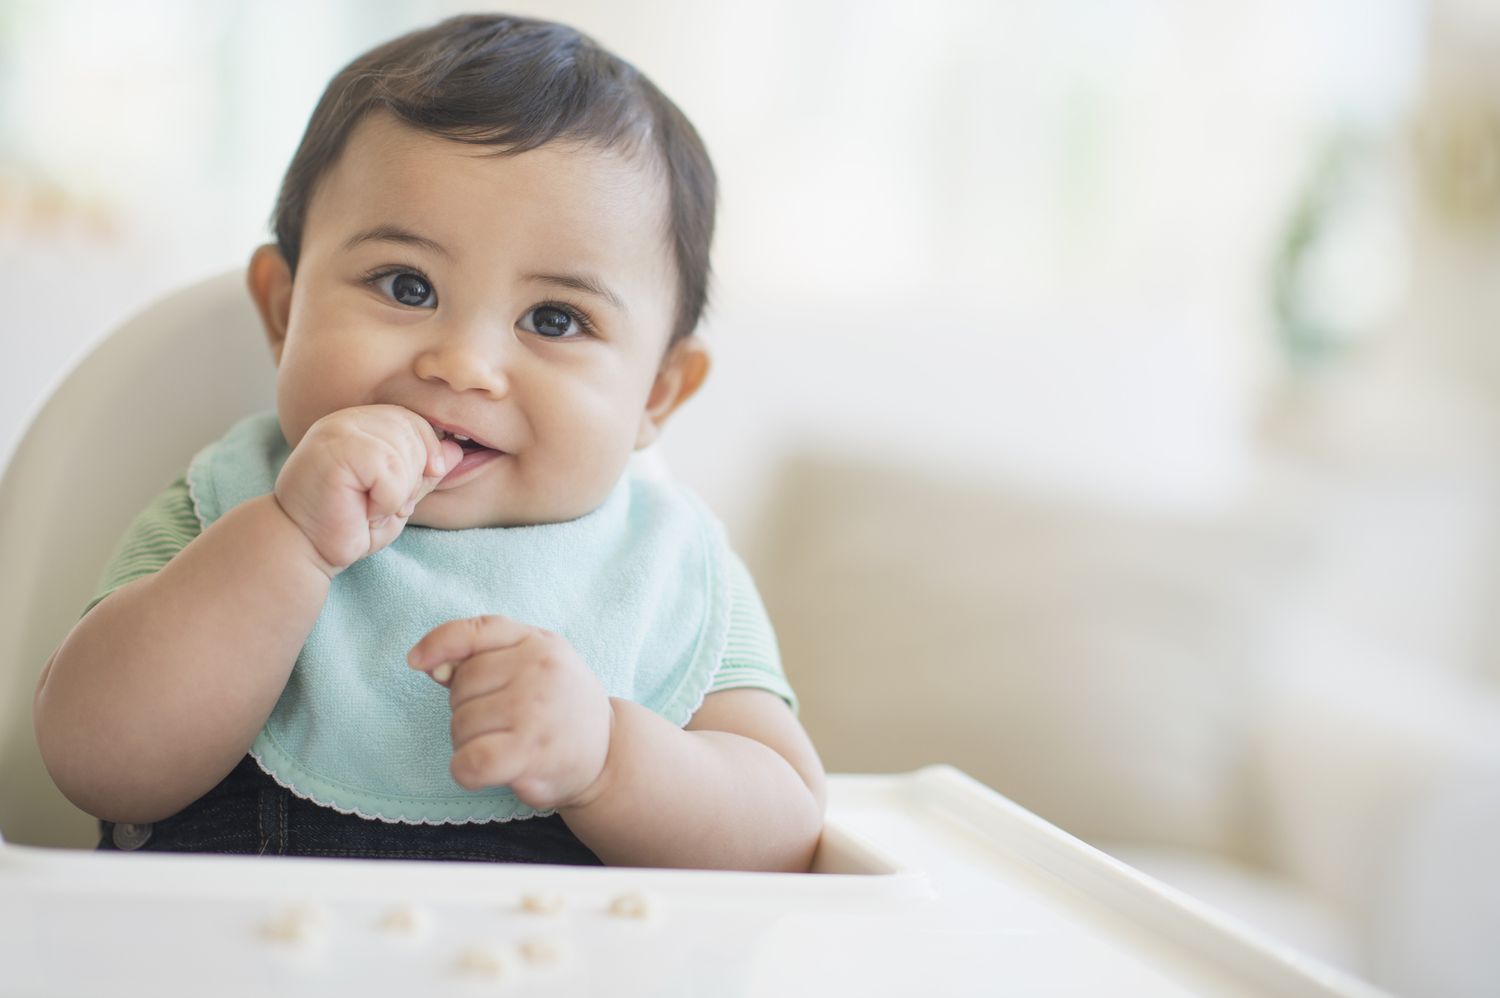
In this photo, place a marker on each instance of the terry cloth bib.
(638, 587)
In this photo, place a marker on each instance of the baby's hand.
(355, 477)
(527, 712)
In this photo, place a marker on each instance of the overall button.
(129, 837)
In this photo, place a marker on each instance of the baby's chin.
(448, 511)
(449, 519)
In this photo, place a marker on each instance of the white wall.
(1027, 239)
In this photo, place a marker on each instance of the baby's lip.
(452, 429)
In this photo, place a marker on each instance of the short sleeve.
(751, 658)
(162, 529)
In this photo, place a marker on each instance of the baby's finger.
(449, 456)
(484, 674)
(385, 530)
(441, 455)
(449, 453)
(395, 434)
(482, 716)
(461, 639)
(490, 760)
(413, 435)
(417, 495)
(387, 494)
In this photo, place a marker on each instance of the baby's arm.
(162, 687)
(739, 788)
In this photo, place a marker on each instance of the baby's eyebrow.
(396, 234)
(584, 283)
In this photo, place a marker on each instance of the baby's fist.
(355, 477)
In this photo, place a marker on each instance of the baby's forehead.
(381, 134)
(387, 162)
(388, 167)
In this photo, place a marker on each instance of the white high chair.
(118, 429)
(929, 881)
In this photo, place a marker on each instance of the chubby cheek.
(296, 402)
(317, 376)
(289, 410)
(588, 442)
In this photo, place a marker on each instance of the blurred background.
(1105, 392)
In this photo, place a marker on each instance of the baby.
(429, 607)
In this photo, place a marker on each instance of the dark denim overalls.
(248, 812)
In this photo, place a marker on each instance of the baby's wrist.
(599, 787)
(306, 546)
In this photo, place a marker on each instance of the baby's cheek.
(292, 413)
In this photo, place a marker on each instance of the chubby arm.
(162, 687)
(739, 788)
(745, 791)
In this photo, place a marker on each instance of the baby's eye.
(550, 321)
(407, 287)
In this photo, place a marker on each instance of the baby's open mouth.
(468, 444)
(474, 455)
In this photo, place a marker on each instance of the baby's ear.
(681, 375)
(270, 282)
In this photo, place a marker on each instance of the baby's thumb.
(449, 454)
(452, 453)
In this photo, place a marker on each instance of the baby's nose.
(466, 362)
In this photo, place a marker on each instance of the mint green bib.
(638, 587)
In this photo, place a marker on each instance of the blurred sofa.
(1157, 686)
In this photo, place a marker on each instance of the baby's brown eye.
(409, 289)
(549, 320)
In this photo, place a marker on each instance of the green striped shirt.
(751, 659)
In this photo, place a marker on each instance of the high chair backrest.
(118, 429)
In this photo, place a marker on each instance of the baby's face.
(524, 301)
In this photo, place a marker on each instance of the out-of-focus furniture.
(1157, 686)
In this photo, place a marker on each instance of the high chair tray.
(927, 883)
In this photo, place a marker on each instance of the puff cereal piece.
(480, 963)
(540, 903)
(631, 904)
(405, 920)
(297, 925)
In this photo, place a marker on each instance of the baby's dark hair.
(516, 84)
